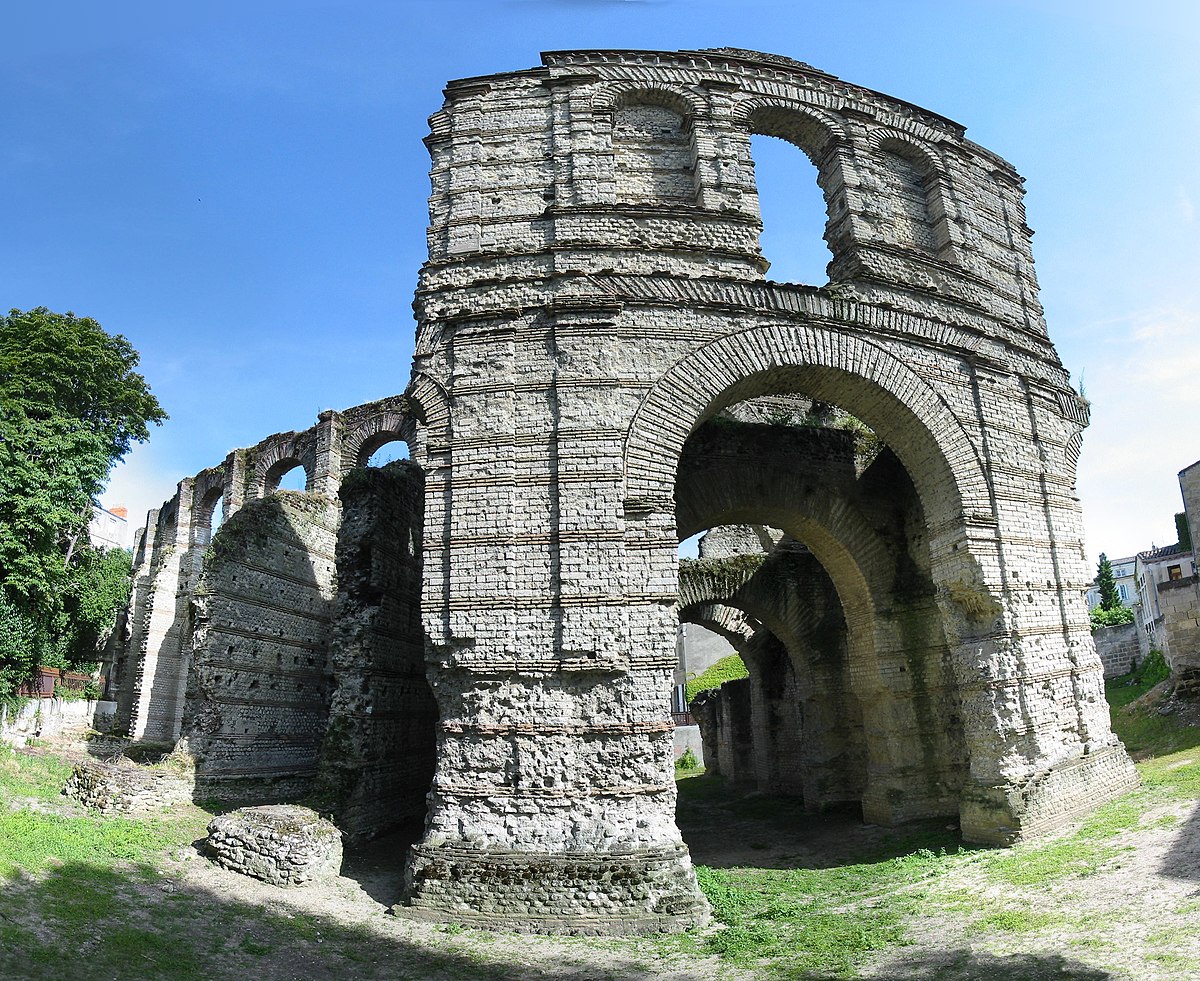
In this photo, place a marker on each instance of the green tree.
(71, 405)
(1107, 584)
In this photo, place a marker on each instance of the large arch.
(825, 362)
(926, 436)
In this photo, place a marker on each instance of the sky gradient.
(241, 191)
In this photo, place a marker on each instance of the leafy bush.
(687, 760)
(1115, 617)
(727, 669)
(1151, 671)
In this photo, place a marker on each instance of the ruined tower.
(596, 324)
(595, 294)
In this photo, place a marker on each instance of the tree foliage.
(71, 405)
(1107, 584)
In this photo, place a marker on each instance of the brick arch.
(277, 457)
(378, 430)
(430, 406)
(880, 141)
(805, 127)
(727, 621)
(207, 491)
(618, 96)
(824, 363)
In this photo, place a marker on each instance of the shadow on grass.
(81, 921)
(1183, 860)
(965, 965)
(720, 822)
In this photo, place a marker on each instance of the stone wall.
(149, 664)
(377, 758)
(1179, 601)
(1118, 647)
(724, 716)
(577, 328)
(261, 678)
(594, 299)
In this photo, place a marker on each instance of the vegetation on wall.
(729, 668)
(1111, 618)
(1185, 532)
(71, 405)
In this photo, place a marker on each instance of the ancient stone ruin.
(483, 637)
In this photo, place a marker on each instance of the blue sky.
(240, 189)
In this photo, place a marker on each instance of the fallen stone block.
(284, 844)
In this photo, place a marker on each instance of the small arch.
(208, 515)
(384, 452)
(654, 150)
(794, 197)
(391, 434)
(287, 474)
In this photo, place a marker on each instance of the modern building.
(110, 529)
(1126, 580)
(1170, 563)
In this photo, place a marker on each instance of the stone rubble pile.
(125, 788)
(284, 844)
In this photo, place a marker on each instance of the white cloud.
(1144, 391)
(1187, 207)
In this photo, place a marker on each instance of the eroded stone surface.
(283, 844)
(125, 788)
(595, 308)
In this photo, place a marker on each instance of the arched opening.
(208, 516)
(287, 475)
(870, 473)
(384, 449)
(793, 212)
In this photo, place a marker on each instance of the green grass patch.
(25, 775)
(727, 669)
(1038, 865)
(815, 919)
(34, 842)
(1013, 921)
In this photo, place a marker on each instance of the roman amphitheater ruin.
(483, 637)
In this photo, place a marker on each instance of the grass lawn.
(793, 895)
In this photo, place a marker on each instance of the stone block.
(283, 844)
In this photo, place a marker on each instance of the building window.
(1175, 572)
(1124, 591)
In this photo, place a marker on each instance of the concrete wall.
(45, 718)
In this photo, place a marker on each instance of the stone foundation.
(281, 844)
(1007, 813)
(125, 788)
(639, 891)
